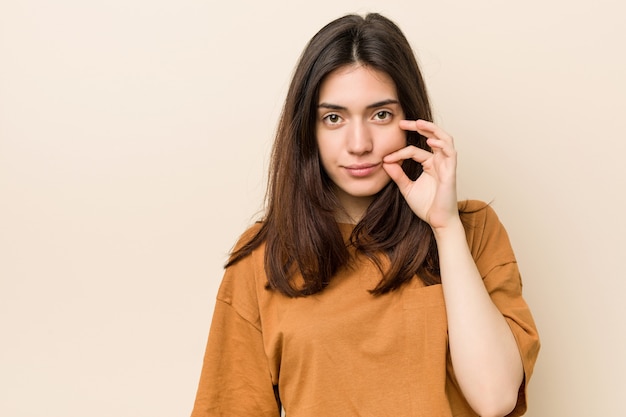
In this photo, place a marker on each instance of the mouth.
(361, 170)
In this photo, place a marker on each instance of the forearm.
(483, 350)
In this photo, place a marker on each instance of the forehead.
(357, 84)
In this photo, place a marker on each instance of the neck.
(352, 208)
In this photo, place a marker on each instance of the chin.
(367, 192)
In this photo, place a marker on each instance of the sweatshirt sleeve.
(236, 378)
(498, 267)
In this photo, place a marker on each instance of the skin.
(351, 130)
(357, 126)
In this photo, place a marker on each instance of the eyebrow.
(370, 106)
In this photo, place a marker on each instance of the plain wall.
(134, 141)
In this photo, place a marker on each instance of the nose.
(359, 140)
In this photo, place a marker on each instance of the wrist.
(453, 228)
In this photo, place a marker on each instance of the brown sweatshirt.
(344, 352)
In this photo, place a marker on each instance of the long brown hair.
(299, 229)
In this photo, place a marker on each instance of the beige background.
(134, 137)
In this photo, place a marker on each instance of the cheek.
(328, 143)
(394, 140)
(326, 151)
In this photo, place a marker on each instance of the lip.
(361, 170)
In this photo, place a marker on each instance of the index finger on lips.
(409, 152)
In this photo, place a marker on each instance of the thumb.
(395, 171)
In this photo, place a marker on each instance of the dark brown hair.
(299, 228)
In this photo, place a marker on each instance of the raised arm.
(483, 350)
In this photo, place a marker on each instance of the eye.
(332, 119)
(382, 115)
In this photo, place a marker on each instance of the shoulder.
(244, 278)
(247, 236)
(478, 217)
(486, 236)
(475, 210)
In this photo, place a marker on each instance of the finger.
(409, 152)
(397, 174)
(408, 125)
(426, 128)
(438, 145)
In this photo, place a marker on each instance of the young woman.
(367, 290)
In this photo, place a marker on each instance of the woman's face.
(357, 125)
